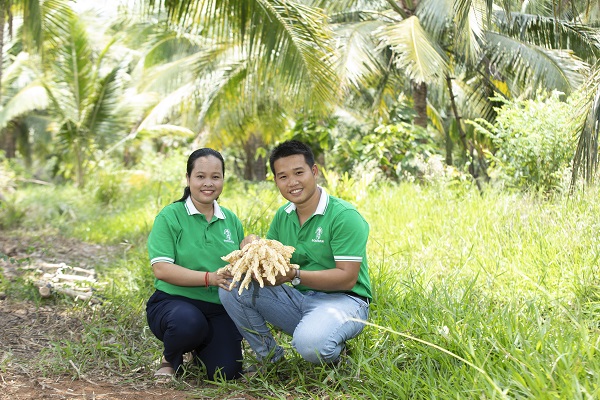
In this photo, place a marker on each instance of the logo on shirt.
(227, 233)
(318, 234)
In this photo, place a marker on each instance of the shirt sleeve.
(239, 229)
(273, 233)
(350, 233)
(162, 239)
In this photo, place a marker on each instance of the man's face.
(295, 179)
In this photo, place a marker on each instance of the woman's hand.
(221, 280)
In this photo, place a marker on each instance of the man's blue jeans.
(319, 323)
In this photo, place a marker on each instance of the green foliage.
(534, 143)
(396, 148)
(399, 151)
(314, 131)
(11, 214)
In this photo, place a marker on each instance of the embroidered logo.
(318, 234)
(227, 233)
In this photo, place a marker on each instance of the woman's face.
(206, 180)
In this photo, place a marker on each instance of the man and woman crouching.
(194, 311)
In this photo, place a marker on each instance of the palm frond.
(414, 51)
(349, 6)
(224, 87)
(386, 92)
(290, 38)
(32, 97)
(158, 131)
(32, 24)
(163, 109)
(103, 118)
(530, 66)
(74, 69)
(436, 16)
(300, 37)
(469, 28)
(22, 69)
(167, 77)
(56, 20)
(359, 59)
(552, 33)
(436, 119)
(478, 93)
(538, 7)
(585, 162)
(343, 17)
(162, 44)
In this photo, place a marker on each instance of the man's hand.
(280, 279)
(248, 239)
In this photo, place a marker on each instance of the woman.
(185, 247)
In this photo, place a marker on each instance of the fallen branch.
(61, 278)
(46, 288)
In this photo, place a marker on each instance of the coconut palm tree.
(87, 102)
(465, 52)
(24, 95)
(30, 24)
(585, 162)
(251, 66)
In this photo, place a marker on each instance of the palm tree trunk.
(463, 136)
(2, 23)
(79, 160)
(254, 168)
(8, 139)
(449, 146)
(420, 103)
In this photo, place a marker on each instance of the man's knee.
(316, 350)
(228, 297)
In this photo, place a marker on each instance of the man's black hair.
(291, 148)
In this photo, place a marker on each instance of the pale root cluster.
(262, 258)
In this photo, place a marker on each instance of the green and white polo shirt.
(335, 232)
(181, 235)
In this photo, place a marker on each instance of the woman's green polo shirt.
(335, 232)
(181, 235)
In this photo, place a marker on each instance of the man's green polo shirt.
(181, 235)
(335, 232)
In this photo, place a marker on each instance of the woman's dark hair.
(291, 148)
(196, 154)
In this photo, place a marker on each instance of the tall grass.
(493, 296)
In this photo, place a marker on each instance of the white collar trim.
(321, 207)
(192, 210)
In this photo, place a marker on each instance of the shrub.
(533, 143)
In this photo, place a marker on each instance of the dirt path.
(26, 329)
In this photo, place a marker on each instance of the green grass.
(483, 297)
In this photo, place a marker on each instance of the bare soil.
(27, 328)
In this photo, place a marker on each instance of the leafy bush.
(534, 143)
(400, 151)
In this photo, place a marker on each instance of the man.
(331, 290)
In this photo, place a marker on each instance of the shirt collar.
(191, 208)
(321, 207)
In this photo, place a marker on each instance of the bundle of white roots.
(261, 259)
